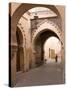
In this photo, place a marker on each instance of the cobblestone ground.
(46, 74)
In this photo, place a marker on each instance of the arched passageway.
(23, 58)
(20, 51)
(39, 41)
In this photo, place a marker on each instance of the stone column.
(63, 47)
(63, 62)
(13, 64)
(21, 59)
(33, 59)
(28, 57)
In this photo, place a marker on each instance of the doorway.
(39, 41)
(20, 52)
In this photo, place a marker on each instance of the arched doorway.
(39, 41)
(20, 52)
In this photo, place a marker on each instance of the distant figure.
(56, 58)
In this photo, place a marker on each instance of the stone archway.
(14, 21)
(24, 8)
(38, 45)
(47, 29)
(20, 51)
(47, 25)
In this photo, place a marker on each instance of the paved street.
(43, 75)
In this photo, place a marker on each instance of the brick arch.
(47, 25)
(21, 10)
(19, 36)
(23, 32)
(48, 33)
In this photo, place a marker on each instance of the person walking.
(56, 58)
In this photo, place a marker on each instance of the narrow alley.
(46, 74)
